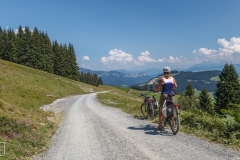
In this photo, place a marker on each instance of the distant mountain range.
(208, 66)
(117, 78)
(128, 78)
(150, 71)
(199, 80)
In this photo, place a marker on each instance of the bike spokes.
(144, 109)
(151, 111)
(175, 121)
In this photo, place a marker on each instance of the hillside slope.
(115, 78)
(199, 80)
(26, 129)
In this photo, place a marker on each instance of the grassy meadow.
(25, 129)
(211, 127)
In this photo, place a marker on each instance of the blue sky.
(135, 34)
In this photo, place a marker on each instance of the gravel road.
(90, 130)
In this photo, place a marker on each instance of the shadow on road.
(140, 118)
(151, 130)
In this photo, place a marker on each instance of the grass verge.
(25, 129)
(209, 127)
(126, 100)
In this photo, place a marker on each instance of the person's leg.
(161, 101)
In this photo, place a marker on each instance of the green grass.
(211, 127)
(125, 89)
(25, 129)
(197, 94)
(195, 122)
(216, 78)
(129, 102)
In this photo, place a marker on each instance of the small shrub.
(187, 103)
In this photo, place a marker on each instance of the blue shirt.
(167, 85)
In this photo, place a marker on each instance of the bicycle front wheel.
(144, 109)
(175, 121)
(151, 111)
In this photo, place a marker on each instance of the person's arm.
(174, 84)
(159, 85)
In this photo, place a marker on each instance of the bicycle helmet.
(167, 69)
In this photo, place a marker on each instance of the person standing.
(168, 85)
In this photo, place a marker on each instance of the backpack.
(167, 109)
(155, 104)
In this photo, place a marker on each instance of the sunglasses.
(166, 72)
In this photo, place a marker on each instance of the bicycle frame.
(148, 105)
(173, 120)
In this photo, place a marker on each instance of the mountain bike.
(171, 114)
(148, 106)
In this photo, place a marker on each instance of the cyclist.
(168, 85)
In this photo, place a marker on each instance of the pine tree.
(3, 45)
(205, 102)
(95, 80)
(1, 42)
(57, 59)
(151, 88)
(46, 50)
(145, 88)
(74, 69)
(228, 89)
(189, 90)
(36, 56)
(25, 50)
(34, 49)
(100, 82)
(20, 45)
(11, 45)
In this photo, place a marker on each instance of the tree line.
(220, 115)
(216, 116)
(226, 95)
(33, 48)
(198, 80)
(91, 79)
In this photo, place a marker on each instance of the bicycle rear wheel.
(144, 109)
(151, 111)
(175, 121)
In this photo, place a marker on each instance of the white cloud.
(226, 50)
(23, 29)
(173, 60)
(233, 44)
(16, 31)
(138, 63)
(206, 51)
(161, 60)
(145, 57)
(85, 58)
(117, 56)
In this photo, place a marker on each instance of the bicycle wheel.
(175, 121)
(144, 109)
(164, 122)
(151, 111)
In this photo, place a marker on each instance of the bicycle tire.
(164, 122)
(144, 110)
(175, 128)
(151, 111)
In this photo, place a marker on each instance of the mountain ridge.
(116, 78)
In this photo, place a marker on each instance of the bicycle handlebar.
(145, 95)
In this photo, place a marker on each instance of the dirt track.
(92, 131)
